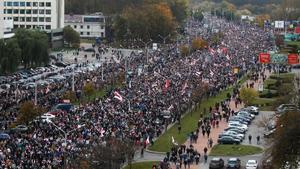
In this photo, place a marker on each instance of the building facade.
(35, 14)
(88, 26)
(1, 20)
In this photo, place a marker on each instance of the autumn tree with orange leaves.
(145, 22)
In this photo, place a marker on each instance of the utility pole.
(146, 48)
(35, 93)
(73, 81)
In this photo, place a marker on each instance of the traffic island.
(234, 150)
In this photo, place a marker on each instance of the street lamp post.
(65, 134)
(146, 47)
(35, 93)
(73, 81)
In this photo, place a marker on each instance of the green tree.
(10, 56)
(88, 89)
(71, 37)
(184, 50)
(28, 111)
(248, 95)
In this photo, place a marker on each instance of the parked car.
(234, 133)
(236, 124)
(228, 140)
(270, 133)
(231, 135)
(238, 121)
(47, 116)
(89, 50)
(64, 107)
(252, 164)
(267, 164)
(216, 163)
(238, 130)
(286, 108)
(233, 163)
(20, 128)
(251, 109)
(245, 113)
(4, 136)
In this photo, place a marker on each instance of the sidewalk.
(202, 141)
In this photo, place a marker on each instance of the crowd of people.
(155, 94)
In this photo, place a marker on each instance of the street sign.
(293, 59)
(264, 58)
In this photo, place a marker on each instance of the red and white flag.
(183, 88)
(167, 83)
(227, 56)
(198, 73)
(118, 96)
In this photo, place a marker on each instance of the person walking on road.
(249, 137)
(205, 150)
(258, 139)
(205, 158)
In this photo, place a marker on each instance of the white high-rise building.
(1, 20)
(35, 14)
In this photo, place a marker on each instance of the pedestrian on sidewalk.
(258, 139)
(210, 140)
(205, 150)
(217, 123)
(249, 137)
(142, 152)
(205, 158)
(208, 132)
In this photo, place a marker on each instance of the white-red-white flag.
(118, 96)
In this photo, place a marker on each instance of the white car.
(47, 116)
(238, 125)
(252, 164)
(235, 134)
(246, 114)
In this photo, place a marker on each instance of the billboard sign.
(279, 58)
(293, 59)
(279, 24)
(264, 58)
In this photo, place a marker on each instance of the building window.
(48, 11)
(28, 19)
(35, 4)
(9, 4)
(75, 26)
(16, 19)
(88, 26)
(28, 26)
(22, 11)
(16, 26)
(34, 19)
(48, 19)
(22, 26)
(22, 3)
(28, 11)
(102, 27)
(41, 19)
(28, 3)
(88, 33)
(81, 33)
(16, 3)
(48, 27)
(42, 4)
(35, 11)
(9, 11)
(102, 34)
(22, 19)
(41, 11)
(48, 4)
(81, 26)
(16, 11)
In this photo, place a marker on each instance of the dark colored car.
(64, 107)
(228, 140)
(216, 163)
(89, 50)
(4, 136)
(233, 163)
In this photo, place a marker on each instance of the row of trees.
(28, 48)
(150, 20)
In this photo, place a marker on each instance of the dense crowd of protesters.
(154, 96)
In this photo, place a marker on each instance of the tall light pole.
(146, 47)
(35, 93)
(73, 80)
(65, 134)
